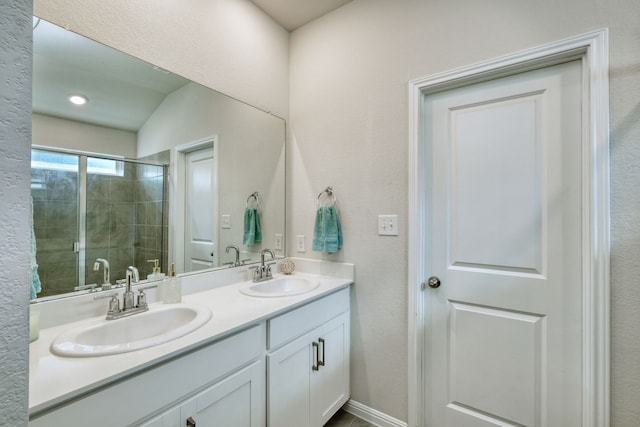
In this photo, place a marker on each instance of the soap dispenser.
(172, 287)
(156, 275)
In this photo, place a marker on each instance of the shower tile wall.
(110, 223)
(55, 216)
(124, 221)
(153, 230)
(151, 225)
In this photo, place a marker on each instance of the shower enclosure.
(87, 207)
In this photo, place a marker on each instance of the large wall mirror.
(151, 167)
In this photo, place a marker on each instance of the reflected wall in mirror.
(206, 152)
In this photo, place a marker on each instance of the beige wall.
(348, 128)
(69, 134)
(250, 156)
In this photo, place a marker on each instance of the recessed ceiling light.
(78, 99)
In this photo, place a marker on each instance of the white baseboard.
(371, 415)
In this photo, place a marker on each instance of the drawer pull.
(321, 362)
(191, 422)
(316, 356)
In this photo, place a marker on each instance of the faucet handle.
(142, 297)
(114, 304)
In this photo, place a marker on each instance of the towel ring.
(254, 196)
(328, 192)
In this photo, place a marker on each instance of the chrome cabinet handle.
(321, 362)
(315, 365)
(191, 422)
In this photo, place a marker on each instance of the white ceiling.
(292, 14)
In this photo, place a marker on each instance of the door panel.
(505, 238)
(495, 184)
(200, 232)
(503, 351)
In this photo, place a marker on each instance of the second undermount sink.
(161, 324)
(280, 287)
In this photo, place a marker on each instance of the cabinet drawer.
(290, 325)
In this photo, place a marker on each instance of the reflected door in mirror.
(200, 227)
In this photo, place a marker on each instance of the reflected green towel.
(252, 230)
(36, 286)
(327, 233)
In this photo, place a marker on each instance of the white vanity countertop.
(54, 379)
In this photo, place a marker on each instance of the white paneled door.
(503, 332)
(200, 231)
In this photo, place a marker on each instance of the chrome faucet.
(136, 274)
(237, 261)
(128, 305)
(127, 297)
(263, 271)
(106, 280)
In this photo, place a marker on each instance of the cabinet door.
(299, 395)
(289, 381)
(330, 385)
(236, 401)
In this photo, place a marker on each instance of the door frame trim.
(177, 195)
(592, 49)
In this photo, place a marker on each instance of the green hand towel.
(252, 230)
(327, 233)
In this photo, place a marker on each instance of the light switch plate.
(387, 225)
(225, 221)
(300, 243)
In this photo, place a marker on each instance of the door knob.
(433, 282)
(211, 253)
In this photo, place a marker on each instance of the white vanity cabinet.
(223, 379)
(284, 368)
(235, 401)
(308, 363)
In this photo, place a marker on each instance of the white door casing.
(518, 325)
(179, 211)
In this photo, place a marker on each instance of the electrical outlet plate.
(277, 243)
(300, 243)
(387, 225)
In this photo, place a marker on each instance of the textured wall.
(348, 109)
(15, 137)
(228, 45)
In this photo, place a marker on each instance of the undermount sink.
(159, 325)
(280, 287)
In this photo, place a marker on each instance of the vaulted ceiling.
(292, 14)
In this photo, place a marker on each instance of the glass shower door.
(55, 192)
(88, 207)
